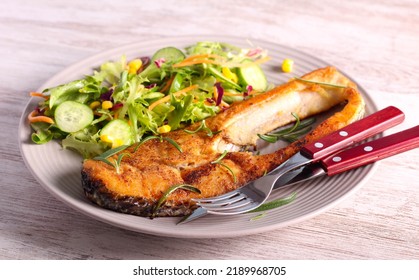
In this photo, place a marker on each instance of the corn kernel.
(287, 65)
(107, 105)
(116, 143)
(164, 128)
(229, 75)
(106, 138)
(134, 65)
(110, 140)
(94, 105)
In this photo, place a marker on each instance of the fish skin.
(157, 165)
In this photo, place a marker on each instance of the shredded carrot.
(33, 117)
(196, 61)
(199, 59)
(168, 84)
(263, 60)
(38, 94)
(224, 104)
(215, 93)
(167, 97)
(233, 94)
(198, 56)
(195, 100)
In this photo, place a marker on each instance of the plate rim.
(92, 211)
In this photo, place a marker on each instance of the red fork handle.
(353, 133)
(372, 151)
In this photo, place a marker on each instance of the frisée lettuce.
(133, 99)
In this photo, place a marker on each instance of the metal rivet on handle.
(343, 133)
(368, 148)
(318, 145)
(337, 159)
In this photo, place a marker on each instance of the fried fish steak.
(150, 169)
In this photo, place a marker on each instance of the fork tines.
(222, 205)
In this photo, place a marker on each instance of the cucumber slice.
(171, 54)
(72, 116)
(118, 132)
(252, 74)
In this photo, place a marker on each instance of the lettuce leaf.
(88, 149)
(69, 91)
(42, 134)
(176, 116)
(111, 71)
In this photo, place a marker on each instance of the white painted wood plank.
(376, 42)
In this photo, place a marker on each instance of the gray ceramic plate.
(59, 172)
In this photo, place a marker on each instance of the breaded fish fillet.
(157, 165)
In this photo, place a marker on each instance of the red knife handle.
(353, 133)
(372, 151)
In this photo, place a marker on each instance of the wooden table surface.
(375, 42)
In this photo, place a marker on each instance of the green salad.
(123, 101)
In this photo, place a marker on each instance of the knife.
(358, 156)
(336, 141)
(343, 138)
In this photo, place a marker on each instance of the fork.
(254, 194)
(246, 198)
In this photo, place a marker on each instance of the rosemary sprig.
(173, 142)
(111, 152)
(319, 83)
(116, 162)
(205, 128)
(220, 158)
(169, 191)
(290, 134)
(260, 216)
(275, 203)
(161, 138)
(218, 161)
(148, 138)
